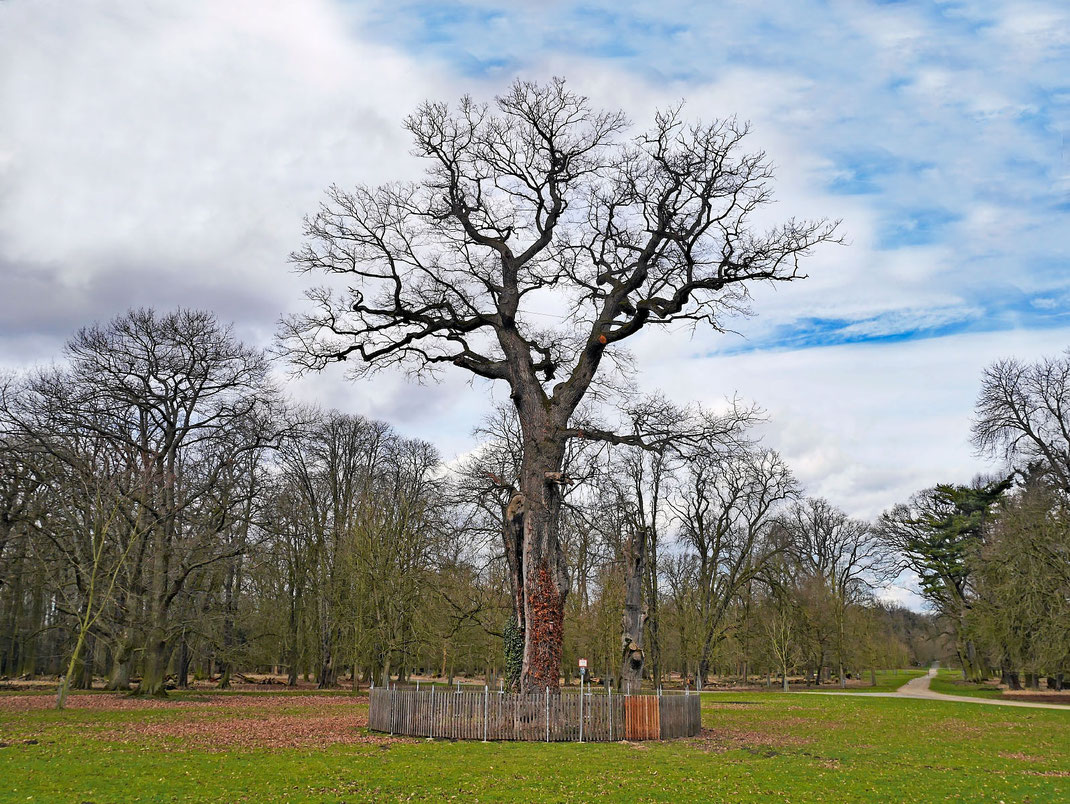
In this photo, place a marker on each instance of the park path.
(919, 688)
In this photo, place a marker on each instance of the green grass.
(950, 682)
(887, 681)
(761, 747)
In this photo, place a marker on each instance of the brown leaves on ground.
(731, 704)
(112, 701)
(1037, 697)
(958, 727)
(218, 722)
(719, 740)
(272, 731)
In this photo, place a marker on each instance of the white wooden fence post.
(431, 715)
(486, 707)
(612, 713)
(581, 708)
(547, 714)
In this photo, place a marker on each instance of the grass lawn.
(950, 682)
(887, 681)
(311, 748)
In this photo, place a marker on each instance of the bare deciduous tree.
(726, 509)
(1023, 414)
(541, 200)
(844, 554)
(179, 402)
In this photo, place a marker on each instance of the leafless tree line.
(167, 514)
(994, 556)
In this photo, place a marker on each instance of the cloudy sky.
(162, 153)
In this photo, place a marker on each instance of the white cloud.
(181, 144)
(865, 425)
(160, 153)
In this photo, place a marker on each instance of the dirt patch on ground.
(220, 722)
(727, 739)
(305, 730)
(1021, 757)
(732, 704)
(957, 726)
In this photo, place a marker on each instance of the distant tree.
(844, 554)
(1023, 583)
(779, 622)
(726, 509)
(543, 200)
(178, 403)
(937, 535)
(1023, 415)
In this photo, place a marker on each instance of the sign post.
(583, 673)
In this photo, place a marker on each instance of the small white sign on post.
(583, 664)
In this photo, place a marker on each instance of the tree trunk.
(29, 641)
(326, 677)
(228, 626)
(183, 665)
(386, 670)
(65, 683)
(971, 666)
(83, 679)
(703, 672)
(545, 575)
(1010, 677)
(513, 542)
(653, 618)
(156, 647)
(120, 669)
(631, 667)
(294, 623)
(154, 673)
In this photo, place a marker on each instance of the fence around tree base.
(542, 717)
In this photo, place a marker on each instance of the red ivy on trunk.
(546, 626)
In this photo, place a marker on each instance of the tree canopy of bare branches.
(541, 207)
(1023, 414)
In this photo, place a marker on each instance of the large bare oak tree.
(541, 208)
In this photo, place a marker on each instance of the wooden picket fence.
(543, 717)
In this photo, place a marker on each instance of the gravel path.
(919, 688)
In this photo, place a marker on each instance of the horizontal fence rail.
(544, 717)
